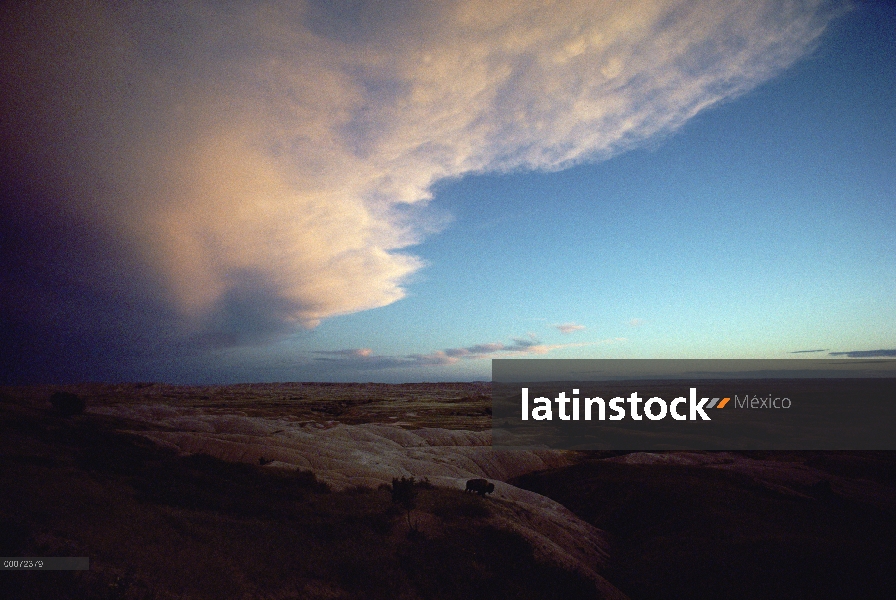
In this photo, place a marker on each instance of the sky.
(206, 192)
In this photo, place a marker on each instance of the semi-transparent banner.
(695, 404)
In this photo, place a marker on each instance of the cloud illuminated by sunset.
(260, 160)
(569, 327)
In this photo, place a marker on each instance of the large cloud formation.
(240, 170)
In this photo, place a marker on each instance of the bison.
(480, 486)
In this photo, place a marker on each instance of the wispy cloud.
(866, 353)
(529, 345)
(636, 322)
(367, 359)
(568, 327)
(808, 351)
(353, 352)
(258, 163)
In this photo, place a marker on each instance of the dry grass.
(447, 405)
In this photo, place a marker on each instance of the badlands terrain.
(286, 491)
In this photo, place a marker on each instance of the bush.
(404, 494)
(308, 480)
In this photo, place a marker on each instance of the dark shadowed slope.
(769, 525)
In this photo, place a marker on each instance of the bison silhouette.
(480, 486)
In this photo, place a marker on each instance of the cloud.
(367, 359)
(636, 322)
(808, 351)
(528, 345)
(259, 167)
(568, 327)
(866, 353)
(354, 352)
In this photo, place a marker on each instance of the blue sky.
(426, 206)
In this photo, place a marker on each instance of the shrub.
(404, 494)
(308, 480)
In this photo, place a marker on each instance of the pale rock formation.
(372, 454)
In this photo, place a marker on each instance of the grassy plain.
(447, 405)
